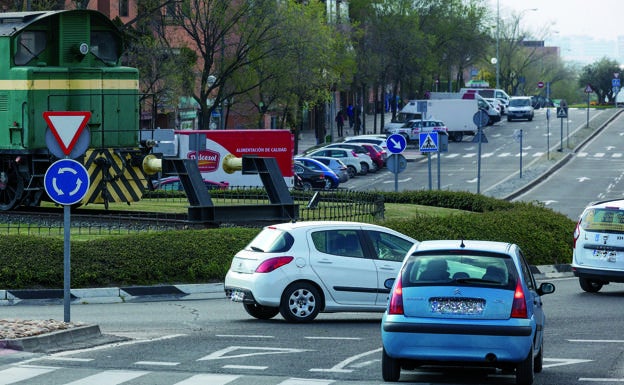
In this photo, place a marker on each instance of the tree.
(599, 75)
(229, 37)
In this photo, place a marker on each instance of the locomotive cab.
(67, 61)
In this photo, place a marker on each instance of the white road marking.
(245, 367)
(13, 375)
(340, 367)
(109, 377)
(599, 341)
(305, 381)
(563, 361)
(333, 338)
(243, 336)
(257, 351)
(583, 178)
(157, 363)
(601, 379)
(212, 379)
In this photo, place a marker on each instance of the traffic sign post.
(67, 181)
(396, 162)
(588, 91)
(428, 143)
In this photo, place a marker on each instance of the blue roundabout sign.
(66, 181)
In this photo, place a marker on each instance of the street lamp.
(495, 60)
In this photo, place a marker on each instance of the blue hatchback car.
(318, 166)
(464, 303)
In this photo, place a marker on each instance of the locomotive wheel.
(11, 186)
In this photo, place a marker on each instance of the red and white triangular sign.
(67, 126)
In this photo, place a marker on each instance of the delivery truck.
(456, 114)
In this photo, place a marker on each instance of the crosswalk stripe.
(212, 379)
(109, 377)
(17, 374)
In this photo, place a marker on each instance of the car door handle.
(386, 267)
(325, 261)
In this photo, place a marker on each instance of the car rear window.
(271, 240)
(603, 219)
(452, 267)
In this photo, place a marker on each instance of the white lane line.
(599, 341)
(305, 381)
(157, 363)
(243, 336)
(333, 338)
(246, 367)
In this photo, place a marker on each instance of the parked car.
(377, 154)
(301, 269)
(336, 166)
(378, 139)
(308, 179)
(348, 157)
(412, 129)
(367, 162)
(520, 107)
(318, 166)
(464, 303)
(173, 183)
(598, 244)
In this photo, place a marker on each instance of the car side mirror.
(546, 288)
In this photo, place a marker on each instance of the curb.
(113, 294)
(52, 341)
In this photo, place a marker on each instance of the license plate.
(605, 255)
(237, 296)
(459, 306)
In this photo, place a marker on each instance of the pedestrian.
(340, 122)
(351, 115)
(356, 124)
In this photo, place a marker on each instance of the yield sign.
(67, 126)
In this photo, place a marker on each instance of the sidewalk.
(308, 139)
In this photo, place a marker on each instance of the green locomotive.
(67, 61)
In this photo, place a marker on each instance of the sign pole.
(396, 172)
(429, 168)
(66, 263)
(521, 153)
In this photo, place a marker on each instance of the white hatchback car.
(347, 156)
(598, 253)
(301, 269)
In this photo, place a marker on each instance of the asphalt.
(90, 335)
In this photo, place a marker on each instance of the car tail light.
(273, 264)
(577, 233)
(518, 307)
(396, 299)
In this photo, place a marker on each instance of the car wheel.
(301, 302)
(259, 311)
(306, 186)
(390, 368)
(538, 361)
(458, 136)
(352, 171)
(530, 118)
(524, 370)
(364, 168)
(508, 118)
(589, 285)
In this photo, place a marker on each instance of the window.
(104, 46)
(345, 243)
(29, 45)
(389, 247)
(123, 8)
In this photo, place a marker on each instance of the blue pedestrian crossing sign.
(66, 182)
(428, 141)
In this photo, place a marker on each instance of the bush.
(201, 256)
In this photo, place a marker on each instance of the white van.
(495, 93)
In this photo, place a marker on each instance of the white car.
(598, 248)
(368, 165)
(304, 268)
(520, 107)
(347, 156)
(378, 139)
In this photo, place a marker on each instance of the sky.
(600, 19)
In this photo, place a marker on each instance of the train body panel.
(67, 61)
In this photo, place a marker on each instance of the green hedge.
(201, 256)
